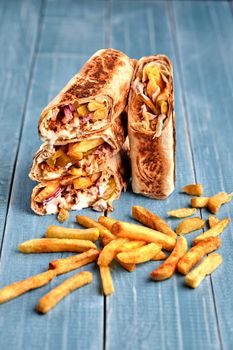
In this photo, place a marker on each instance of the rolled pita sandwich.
(81, 158)
(92, 99)
(97, 191)
(151, 127)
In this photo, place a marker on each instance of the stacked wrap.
(81, 162)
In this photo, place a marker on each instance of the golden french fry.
(106, 221)
(83, 110)
(151, 220)
(106, 280)
(167, 269)
(82, 182)
(160, 256)
(90, 234)
(193, 190)
(63, 215)
(88, 222)
(199, 202)
(86, 145)
(75, 171)
(73, 262)
(100, 114)
(196, 253)
(213, 220)
(131, 245)
(73, 152)
(50, 188)
(140, 255)
(110, 251)
(128, 267)
(49, 300)
(18, 288)
(214, 231)
(49, 245)
(206, 267)
(141, 233)
(181, 212)
(215, 202)
(93, 106)
(189, 225)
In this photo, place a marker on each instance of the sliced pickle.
(93, 106)
(111, 187)
(76, 171)
(83, 111)
(82, 183)
(100, 114)
(85, 146)
(73, 152)
(47, 191)
(63, 160)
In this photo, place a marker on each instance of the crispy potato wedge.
(216, 201)
(77, 172)
(106, 221)
(194, 278)
(50, 188)
(88, 222)
(86, 145)
(189, 225)
(50, 245)
(196, 253)
(160, 256)
(18, 288)
(128, 267)
(100, 114)
(82, 183)
(131, 245)
(73, 151)
(213, 220)
(214, 231)
(63, 215)
(167, 269)
(93, 106)
(151, 220)
(140, 255)
(199, 202)
(106, 280)
(110, 251)
(141, 233)
(90, 234)
(49, 300)
(181, 212)
(71, 263)
(193, 190)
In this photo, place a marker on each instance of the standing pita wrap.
(92, 100)
(151, 127)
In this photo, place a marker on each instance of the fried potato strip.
(107, 221)
(189, 225)
(199, 202)
(106, 280)
(196, 253)
(88, 222)
(213, 220)
(109, 251)
(140, 255)
(90, 234)
(167, 269)
(193, 190)
(216, 201)
(181, 212)
(214, 231)
(160, 256)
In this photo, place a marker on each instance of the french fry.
(128, 267)
(50, 188)
(131, 245)
(86, 145)
(141, 233)
(140, 255)
(194, 278)
(82, 183)
(88, 222)
(106, 280)
(110, 251)
(216, 201)
(73, 262)
(106, 221)
(63, 215)
(90, 234)
(160, 256)
(49, 245)
(18, 288)
(49, 300)
(213, 220)
(193, 190)
(199, 202)
(151, 220)
(196, 253)
(181, 212)
(167, 269)
(214, 231)
(189, 225)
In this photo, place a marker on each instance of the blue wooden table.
(43, 43)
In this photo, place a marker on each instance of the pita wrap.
(98, 190)
(91, 101)
(151, 127)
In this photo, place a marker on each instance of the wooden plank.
(18, 39)
(163, 315)
(77, 322)
(206, 49)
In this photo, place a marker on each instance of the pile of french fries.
(128, 244)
